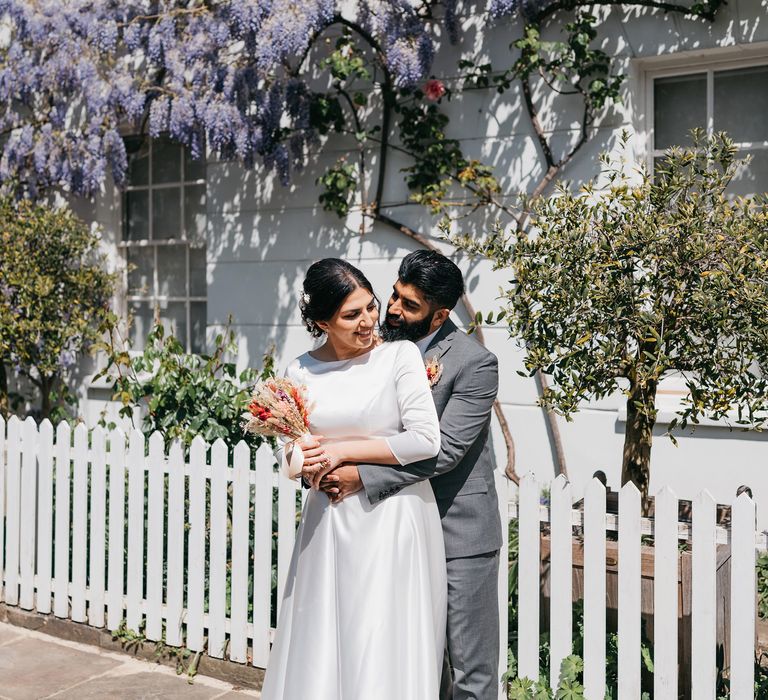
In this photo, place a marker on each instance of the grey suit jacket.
(462, 473)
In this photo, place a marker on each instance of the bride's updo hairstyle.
(328, 283)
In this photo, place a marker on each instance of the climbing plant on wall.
(271, 83)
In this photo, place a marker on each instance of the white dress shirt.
(423, 344)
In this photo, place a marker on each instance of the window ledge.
(105, 382)
(108, 382)
(666, 416)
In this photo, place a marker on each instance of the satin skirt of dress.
(364, 611)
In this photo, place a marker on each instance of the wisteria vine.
(75, 75)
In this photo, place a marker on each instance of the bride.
(363, 614)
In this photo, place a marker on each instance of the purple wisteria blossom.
(67, 359)
(527, 8)
(502, 8)
(76, 75)
(289, 28)
(451, 20)
(404, 37)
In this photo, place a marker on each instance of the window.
(164, 224)
(719, 97)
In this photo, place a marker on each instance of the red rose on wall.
(434, 89)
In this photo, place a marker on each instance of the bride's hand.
(310, 446)
(318, 462)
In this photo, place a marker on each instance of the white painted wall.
(262, 237)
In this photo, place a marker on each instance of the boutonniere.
(434, 370)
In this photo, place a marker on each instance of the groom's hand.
(341, 482)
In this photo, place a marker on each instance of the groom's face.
(409, 315)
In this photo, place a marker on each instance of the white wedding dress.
(363, 615)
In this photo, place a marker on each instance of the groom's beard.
(405, 331)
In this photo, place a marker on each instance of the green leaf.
(520, 689)
(570, 690)
(647, 658)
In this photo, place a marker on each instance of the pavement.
(35, 665)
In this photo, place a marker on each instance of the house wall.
(262, 237)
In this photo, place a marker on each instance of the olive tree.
(619, 286)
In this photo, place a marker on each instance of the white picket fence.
(102, 531)
(107, 533)
(703, 534)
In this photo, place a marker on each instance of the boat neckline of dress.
(348, 359)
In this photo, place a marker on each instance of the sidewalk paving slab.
(34, 666)
(7, 633)
(145, 685)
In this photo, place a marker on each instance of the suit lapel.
(441, 343)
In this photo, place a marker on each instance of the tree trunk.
(641, 417)
(3, 391)
(46, 384)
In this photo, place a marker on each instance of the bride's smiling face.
(352, 326)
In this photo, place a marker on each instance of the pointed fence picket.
(561, 578)
(241, 492)
(207, 557)
(155, 538)
(3, 472)
(286, 529)
(135, 570)
(175, 562)
(218, 551)
(594, 590)
(502, 491)
(665, 596)
(62, 543)
(630, 577)
(116, 553)
(44, 518)
(13, 503)
(704, 599)
(97, 529)
(27, 515)
(743, 596)
(528, 579)
(196, 554)
(262, 553)
(79, 524)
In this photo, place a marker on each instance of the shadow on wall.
(262, 236)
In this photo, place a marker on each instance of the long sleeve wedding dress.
(363, 614)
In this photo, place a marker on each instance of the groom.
(428, 286)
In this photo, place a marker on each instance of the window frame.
(124, 244)
(707, 65)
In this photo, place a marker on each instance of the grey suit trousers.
(473, 629)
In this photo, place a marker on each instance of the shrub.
(54, 294)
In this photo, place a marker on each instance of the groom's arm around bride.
(462, 473)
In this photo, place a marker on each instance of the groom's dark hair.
(434, 275)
